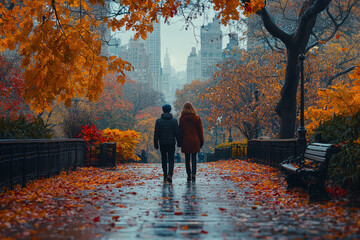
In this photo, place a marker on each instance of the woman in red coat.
(192, 138)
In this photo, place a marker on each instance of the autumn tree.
(75, 117)
(141, 97)
(338, 99)
(60, 47)
(12, 102)
(244, 94)
(113, 110)
(313, 23)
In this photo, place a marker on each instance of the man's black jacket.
(166, 131)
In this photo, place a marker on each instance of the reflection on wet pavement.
(206, 209)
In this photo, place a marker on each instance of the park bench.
(309, 170)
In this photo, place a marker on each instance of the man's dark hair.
(166, 108)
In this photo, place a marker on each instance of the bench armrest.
(297, 159)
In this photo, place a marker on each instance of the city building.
(114, 46)
(166, 78)
(211, 48)
(135, 53)
(153, 50)
(193, 67)
(231, 48)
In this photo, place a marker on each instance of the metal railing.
(103, 155)
(236, 151)
(219, 154)
(25, 160)
(271, 151)
(239, 151)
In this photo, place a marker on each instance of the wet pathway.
(210, 208)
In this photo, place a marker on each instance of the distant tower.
(211, 48)
(153, 49)
(165, 77)
(167, 65)
(193, 68)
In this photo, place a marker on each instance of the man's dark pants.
(167, 153)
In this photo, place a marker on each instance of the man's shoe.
(165, 178)
(193, 178)
(188, 178)
(169, 179)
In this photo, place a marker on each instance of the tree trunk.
(286, 108)
(295, 44)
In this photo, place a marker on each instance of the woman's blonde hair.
(188, 109)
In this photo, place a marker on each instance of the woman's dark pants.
(191, 170)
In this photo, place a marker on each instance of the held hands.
(156, 146)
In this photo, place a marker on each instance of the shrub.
(125, 143)
(22, 128)
(344, 167)
(91, 135)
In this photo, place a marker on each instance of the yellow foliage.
(126, 142)
(337, 99)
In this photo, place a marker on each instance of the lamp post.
(302, 130)
(230, 137)
(257, 127)
(256, 95)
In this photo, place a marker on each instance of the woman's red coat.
(191, 133)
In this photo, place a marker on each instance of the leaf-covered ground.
(229, 200)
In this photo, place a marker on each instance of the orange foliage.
(62, 195)
(61, 41)
(233, 101)
(126, 142)
(340, 98)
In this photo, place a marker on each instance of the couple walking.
(188, 135)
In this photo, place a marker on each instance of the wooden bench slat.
(327, 145)
(319, 147)
(289, 167)
(308, 170)
(317, 153)
(314, 158)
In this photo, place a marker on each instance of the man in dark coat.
(167, 135)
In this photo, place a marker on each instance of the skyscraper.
(211, 48)
(135, 53)
(193, 68)
(230, 50)
(165, 77)
(153, 50)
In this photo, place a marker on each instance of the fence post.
(114, 155)
(103, 155)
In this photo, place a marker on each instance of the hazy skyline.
(178, 41)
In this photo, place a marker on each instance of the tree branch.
(310, 13)
(272, 28)
(332, 78)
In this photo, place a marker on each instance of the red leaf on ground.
(178, 213)
(204, 232)
(97, 219)
(222, 209)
